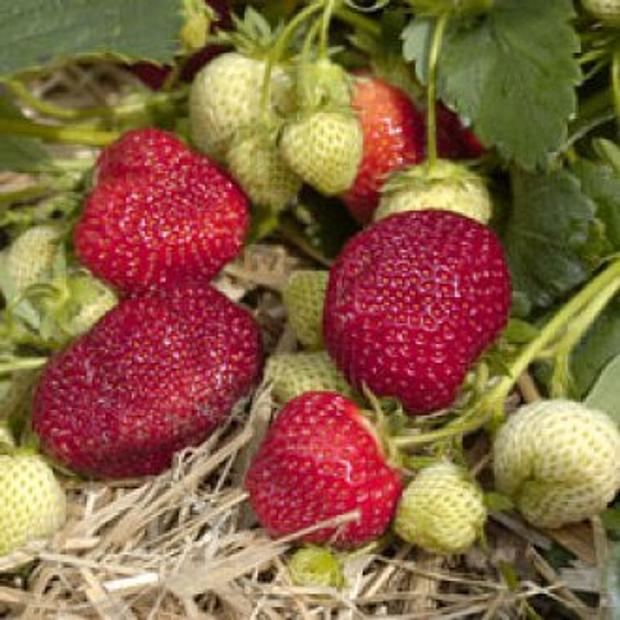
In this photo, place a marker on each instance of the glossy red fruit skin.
(454, 140)
(157, 374)
(393, 139)
(142, 151)
(411, 303)
(320, 460)
(157, 230)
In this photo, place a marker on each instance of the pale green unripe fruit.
(325, 149)
(608, 11)
(558, 460)
(30, 257)
(442, 510)
(254, 160)
(445, 185)
(315, 566)
(294, 374)
(32, 502)
(304, 297)
(226, 96)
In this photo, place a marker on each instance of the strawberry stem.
(90, 136)
(569, 324)
(51, 110)
(278, 49)
(615, 79)
(358, 21)
(431, 92)
(325, 21)
(23, 363)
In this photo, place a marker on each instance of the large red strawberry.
(143, 151)
(412, 301)
(156, 374)
(176, 223)
(393, 138)
(320, 460)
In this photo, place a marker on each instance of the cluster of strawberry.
(408, 307)
(165, 366)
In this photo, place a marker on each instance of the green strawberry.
(608, 11)
(254, 160)
(558, 460)
(32, 502)
(324, 148)
(443, 185)
(29, 259)
(316, 567)
(294, 374)
(442, 510)
(225, 97)
(303, 297)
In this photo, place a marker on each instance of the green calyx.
(195, 31)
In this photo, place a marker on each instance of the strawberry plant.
(309, 271)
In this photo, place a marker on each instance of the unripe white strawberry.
(30, 257)
(304, 297)
(444, 185)
(558, 460)
(442, 510)
(324, 148)
(316, 566)
(294, 374)
(226, 96)
(608, 11)
(32, 502)
(255, 162)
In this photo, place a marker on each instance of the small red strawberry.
(158, 373)
(393, 138)
(320, 459)
(142, 151)
(454, 140)
(154, 230)
(411, 303)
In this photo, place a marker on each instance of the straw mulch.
(185, 544)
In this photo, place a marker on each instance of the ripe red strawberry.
(159, 229)
(412, 301)
(320, 460)
(143, 151)
(156, 374)
(454, 140)
(393, 138)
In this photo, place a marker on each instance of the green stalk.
(585, 306)
(278, 50)
(89, 136)
(431, 93)
(25, 363)
(358, 21)
(325, 21)
(615, 80)
(52, 110)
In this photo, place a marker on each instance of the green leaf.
(602, 184)
(604, 393)
(16, 152)
(596, 350)
(512, 73)
(546, 230)
(34, 33)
